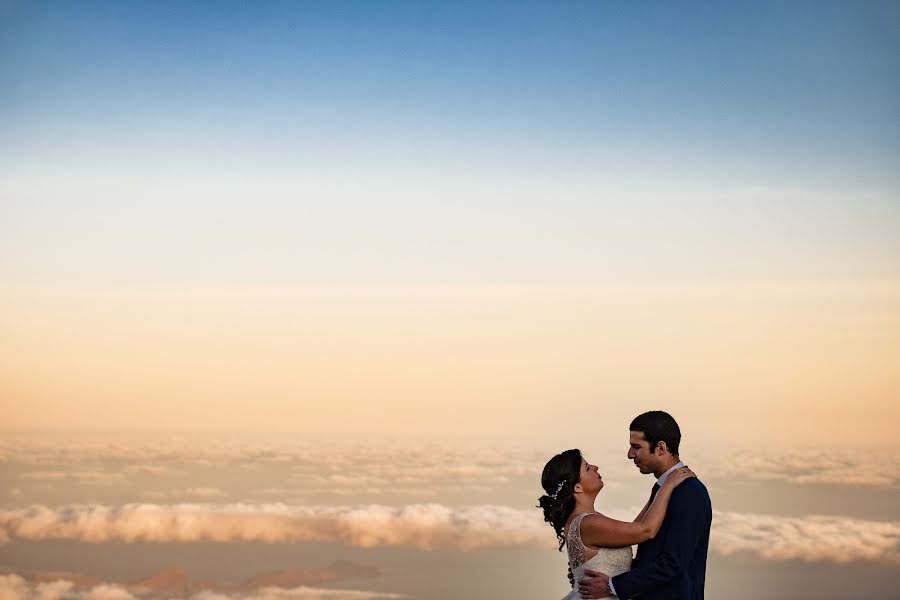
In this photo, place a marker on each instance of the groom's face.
(639, 452)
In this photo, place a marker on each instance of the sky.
(303, 282)
(379, 217)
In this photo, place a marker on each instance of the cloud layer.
(85, 477)
(422, 526)
(16, 587)
(181, 469)
(813, 538)
(430, 526)
(173, 470)
(805, 466)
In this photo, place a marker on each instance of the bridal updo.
(560, 475)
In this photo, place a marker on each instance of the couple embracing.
(671, 531)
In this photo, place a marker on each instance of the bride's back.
(612, 561)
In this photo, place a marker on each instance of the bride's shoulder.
(593, 516)
(575, 520)
(581, 516)
(583, 520)
(595, 521)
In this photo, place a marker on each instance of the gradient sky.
(289, 282)
(382, 217)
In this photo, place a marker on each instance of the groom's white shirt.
(660, 481)
(664, 476)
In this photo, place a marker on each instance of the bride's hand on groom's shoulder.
(679, 476)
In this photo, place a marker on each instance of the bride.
(595, 541)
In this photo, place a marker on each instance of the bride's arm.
(601, 531)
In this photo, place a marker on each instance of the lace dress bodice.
(612, 561)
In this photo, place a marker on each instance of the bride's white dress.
(612, 561)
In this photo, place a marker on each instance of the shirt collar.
(662, 478)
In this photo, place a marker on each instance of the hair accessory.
(558, 488)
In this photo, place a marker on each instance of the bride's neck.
(585, 503)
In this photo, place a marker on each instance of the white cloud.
(149, 469)
(300, 593)
(369, 490)
(98, 477)
(429, 526)
(811, 538)
(305, 467)
(85, 477)
(15, 587)
(423, 526)
(205, 492)
(765, 193)
(806, 466)
(156, 456)
(107, 592)
(197, 493)
(43, 476)
(52, 590)
(387, 467)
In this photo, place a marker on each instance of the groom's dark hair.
(658, 426)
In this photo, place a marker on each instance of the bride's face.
(591, 481)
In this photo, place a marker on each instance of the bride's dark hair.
(560, 475)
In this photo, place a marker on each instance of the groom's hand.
(594, 585)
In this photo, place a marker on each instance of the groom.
(672, 565)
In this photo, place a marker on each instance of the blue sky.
(700, 140)
(770, 89)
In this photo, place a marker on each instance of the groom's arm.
(688, 520)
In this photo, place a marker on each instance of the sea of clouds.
(183, 490)
(428, 527)
(391, 466)
(16, 587)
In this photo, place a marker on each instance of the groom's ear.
(661, 448)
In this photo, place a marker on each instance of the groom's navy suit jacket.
(672, 566)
